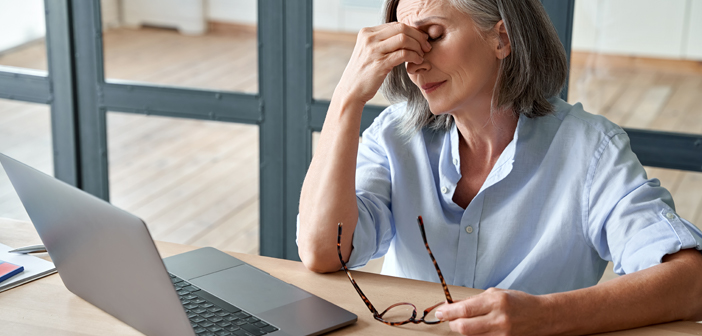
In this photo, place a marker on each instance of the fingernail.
(439, 315)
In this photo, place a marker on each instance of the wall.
(21, 22)
(648, 28)
(329, 15)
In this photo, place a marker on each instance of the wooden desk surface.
(46, 307)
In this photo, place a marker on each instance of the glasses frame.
(413, 318)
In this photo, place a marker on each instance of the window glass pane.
(25, 135)
(193, 182)
(637, 62)
(336, 24)
(192, 43)
(23, 28)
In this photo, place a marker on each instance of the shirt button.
(455, 161)
(670, 215)
(469, 229)
(444, 190)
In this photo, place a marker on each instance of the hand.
(378, 50)
(497, 312)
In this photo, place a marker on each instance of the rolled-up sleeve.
(630, 219)
(375, 228)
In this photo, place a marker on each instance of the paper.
(34, 268)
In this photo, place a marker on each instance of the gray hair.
(535, 70)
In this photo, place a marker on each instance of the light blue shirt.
(565, 196)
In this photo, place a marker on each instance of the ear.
(503, 47)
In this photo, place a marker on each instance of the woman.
(518, 189)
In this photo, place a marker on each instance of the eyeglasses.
(427, 317)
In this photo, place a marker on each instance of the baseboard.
(598, 60)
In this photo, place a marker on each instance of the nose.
(413, 68)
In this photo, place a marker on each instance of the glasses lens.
(430, 317)
(399, 312)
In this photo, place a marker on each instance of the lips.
(429, 87)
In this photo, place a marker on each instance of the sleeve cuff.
(648, 247)
(364, 239)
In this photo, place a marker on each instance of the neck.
(485, 135)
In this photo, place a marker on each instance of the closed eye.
(434, 39)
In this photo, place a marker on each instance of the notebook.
(34, 268)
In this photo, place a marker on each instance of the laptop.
(106, 256)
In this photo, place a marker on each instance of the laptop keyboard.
(211, 316)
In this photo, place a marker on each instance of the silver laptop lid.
(104, 255)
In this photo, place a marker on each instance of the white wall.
(330, 15)
(235, 11)
(111, 13)
(647, 28)
(694, 32)
(20, 22)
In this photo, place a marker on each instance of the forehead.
(410, 11)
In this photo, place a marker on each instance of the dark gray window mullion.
(25, 85)
(63, 113)
(298, 86)
(181, 102)
(92, 134)
(561, 14)
(319, 112)
(667, 150)
(271, 71)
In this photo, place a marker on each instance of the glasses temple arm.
(433, 260)
(353, 282)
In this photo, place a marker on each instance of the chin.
(437, 108)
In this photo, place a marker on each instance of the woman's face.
(460, 71)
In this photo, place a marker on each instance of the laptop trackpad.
(250, 289)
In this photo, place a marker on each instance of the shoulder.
(574, 137)
(575, 121)
(386, 123)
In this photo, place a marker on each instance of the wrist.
(345, 98)
(557, 310)
(345, 110)
(553, 321)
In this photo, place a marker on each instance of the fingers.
(389, 31)
(470, 307)
(401, 41)
(392, 29)
(481, 325)
(404, 56)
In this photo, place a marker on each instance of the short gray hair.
(535, 70)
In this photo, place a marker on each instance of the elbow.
(320, 266)
(319, 261)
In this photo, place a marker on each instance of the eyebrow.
(424, 21)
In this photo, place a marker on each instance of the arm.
(663, 293)
(627, 223)
(328, 193)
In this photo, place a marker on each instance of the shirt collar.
(450, 167)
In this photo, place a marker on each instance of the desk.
(46, 307)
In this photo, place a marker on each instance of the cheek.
(469, 66)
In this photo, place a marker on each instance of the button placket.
(468, 243)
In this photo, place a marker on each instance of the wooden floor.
(196, 182)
